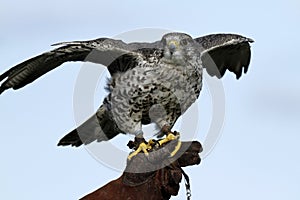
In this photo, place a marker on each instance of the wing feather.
(103, 51)
(225, 51)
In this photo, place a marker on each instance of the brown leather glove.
(152, 177)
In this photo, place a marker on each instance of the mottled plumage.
(150, 82)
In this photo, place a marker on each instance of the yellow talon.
(176, 149)
(142, 147)
(151, 142)
(145, 147)
(169, 138)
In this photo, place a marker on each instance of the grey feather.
(150, 82)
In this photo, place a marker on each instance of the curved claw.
(142, 147)
(146, 146)
(177, 147)
(169, 138)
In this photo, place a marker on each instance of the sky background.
(257, 156)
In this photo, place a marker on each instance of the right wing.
(221, 52)
(102, 50)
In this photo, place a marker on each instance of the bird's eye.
(184, 42)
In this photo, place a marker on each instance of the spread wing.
(103, 50)
(225, 51)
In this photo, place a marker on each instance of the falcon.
(150, 82)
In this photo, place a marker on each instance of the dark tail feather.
(99, 127)
(71, 138)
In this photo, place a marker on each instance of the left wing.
(220, 52)
(103, 51)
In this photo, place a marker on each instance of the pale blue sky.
(257, 156)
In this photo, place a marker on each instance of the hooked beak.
(172, 46)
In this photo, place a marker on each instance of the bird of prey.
(150, 82)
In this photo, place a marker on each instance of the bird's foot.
(139, 146)
(170, 137)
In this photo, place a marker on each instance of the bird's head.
(178, 47)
